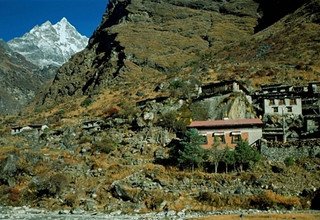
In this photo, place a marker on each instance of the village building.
(282, 104)
(229, 132)
(16, 130)
(278, 99)
(32, 127)
(283, 100)
(93, 125)
(222, 88)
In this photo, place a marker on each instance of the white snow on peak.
(50, 43)
(47, 23)
(64, 20)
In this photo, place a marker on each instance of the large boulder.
(9, 170)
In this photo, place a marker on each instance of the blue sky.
(19, 16)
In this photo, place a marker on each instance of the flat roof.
(226, 123)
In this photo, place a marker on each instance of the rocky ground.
(62, 180)
(122, 164)
(26, 213)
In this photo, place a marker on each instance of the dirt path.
(289, 216)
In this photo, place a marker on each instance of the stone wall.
(297, 149)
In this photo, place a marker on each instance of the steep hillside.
(19, 81)
(141, 44)
(287, 51)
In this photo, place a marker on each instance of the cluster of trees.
(190, 155)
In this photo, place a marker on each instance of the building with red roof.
(229, 132)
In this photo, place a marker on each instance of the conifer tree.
(228, 158)
(215, 155)
(191, 154)
(245, 154)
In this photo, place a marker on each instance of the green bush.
(180, 88)
(289, 161)
(106, 145)
(173, 121)
(200, 111)
(88, 101)
(85, 139)
(128, 110)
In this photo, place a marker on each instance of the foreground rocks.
(26, 213)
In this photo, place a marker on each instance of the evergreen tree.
(191, 154)
(229, 158)
(215, 155)
(244, 154)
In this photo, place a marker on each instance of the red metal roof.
(226, 123)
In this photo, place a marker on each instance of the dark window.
(275, 109)
(293, 101)
(204, 139)
(289, 109)
(271, 102)
(235, 138)
(281, 102)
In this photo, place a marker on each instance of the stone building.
(92, 125)
(278, 99)
(223, 87)
(293, 104)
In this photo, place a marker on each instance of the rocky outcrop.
(232, 106)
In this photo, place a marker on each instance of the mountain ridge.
(26, 66)
(49, 44)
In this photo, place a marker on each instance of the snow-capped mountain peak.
(50, 44)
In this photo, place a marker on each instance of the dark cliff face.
(140, 44)
(273, 10)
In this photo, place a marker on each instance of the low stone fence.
(277, 151)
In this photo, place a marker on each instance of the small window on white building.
(271, 102)
(282, 102)
(289, 109)
(293, 101)
(275, 109)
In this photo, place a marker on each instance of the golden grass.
(289, 216)
(272, 199)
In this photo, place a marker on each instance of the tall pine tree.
(245, 154)
(191, 155)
